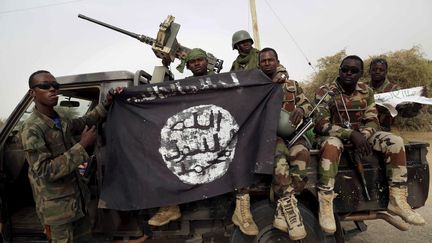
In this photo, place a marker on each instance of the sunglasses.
(347, 69)
(46, 85)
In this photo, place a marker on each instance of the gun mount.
(165, 46)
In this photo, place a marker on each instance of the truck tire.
(263, 213)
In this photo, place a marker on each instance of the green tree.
(328, 68)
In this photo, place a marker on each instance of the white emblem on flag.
(198, 144)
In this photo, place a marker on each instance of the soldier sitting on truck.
(380, 84)
(349, 115)
(289, 177)
(196, 61)
(53, 157)
(248, 56)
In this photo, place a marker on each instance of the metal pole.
(255, 24)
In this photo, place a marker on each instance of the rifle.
(307, 121)
(355, 157)
(165, 46)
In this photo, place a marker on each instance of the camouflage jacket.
(339, 117)
(294, 97)
(246, 62)
(251, 61)
(384, 117)
(53, 157)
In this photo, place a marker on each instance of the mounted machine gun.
(165, 46)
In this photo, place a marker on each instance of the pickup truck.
(207, 220)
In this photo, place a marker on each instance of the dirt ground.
(381, 231)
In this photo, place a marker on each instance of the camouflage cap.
(194, 54)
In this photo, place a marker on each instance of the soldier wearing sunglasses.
(350, 116)
(53, 157)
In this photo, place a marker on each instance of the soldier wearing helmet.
(248, 56)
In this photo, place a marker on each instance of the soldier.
(53, 157)
(350, 116)
(246, 60)
(196, 61)
(289, 177)
(380, 84)
(248, 56)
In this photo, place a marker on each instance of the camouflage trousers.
(390, 145)
(290, 167)
(76, 231)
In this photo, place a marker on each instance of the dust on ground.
(381, 231)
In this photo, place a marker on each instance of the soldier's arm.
(323, 124)
(302, 101)
(93, 117)
(410, 109)
(281, 74)
(41, 160)
(370, 117)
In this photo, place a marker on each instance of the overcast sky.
(47, 34)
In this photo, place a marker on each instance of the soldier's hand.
(360, 143)
(280, 77)
(88, 136)
(296, 116)
(408, 110)
(111, 94)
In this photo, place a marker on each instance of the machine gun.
(165, 46)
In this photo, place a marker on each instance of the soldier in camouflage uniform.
(350, 116)
(53, 157)
(380, 84)
(248, 56)
(246, 60)
(290, 163)
(196, 61)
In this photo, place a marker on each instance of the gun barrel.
(301, 131)
(360, 170)
(142, 38)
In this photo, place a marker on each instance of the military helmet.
(239, 36)
(285, 128)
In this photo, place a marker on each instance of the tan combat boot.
(164, 215)
(398, 205)
(326, 217)
(242, 216)
(291, 221)
(279, 221)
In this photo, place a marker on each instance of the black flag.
(190, 139)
